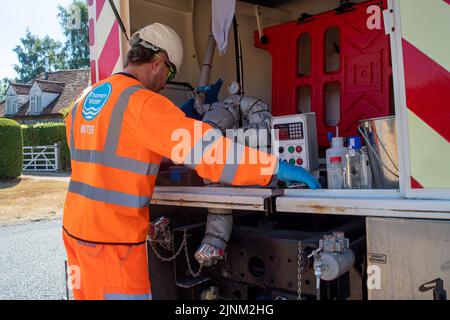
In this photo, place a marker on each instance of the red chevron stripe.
(93, 72)
(110, 53)
(99, 7)
(91, 32)
(415, 184)
(427, 89)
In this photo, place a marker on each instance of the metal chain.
(164, 259)
(193, 274)
(300, 266)
(180, 249)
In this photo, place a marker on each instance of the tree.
(74, 54)
(74, 20)
(32, 53)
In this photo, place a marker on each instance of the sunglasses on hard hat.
(172, 70)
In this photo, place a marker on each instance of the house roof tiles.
(51, 86)
(21, 89)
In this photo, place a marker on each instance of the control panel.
(295, 140)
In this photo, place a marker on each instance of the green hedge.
(47, 134)
(11, 151)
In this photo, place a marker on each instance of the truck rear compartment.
(327, 63)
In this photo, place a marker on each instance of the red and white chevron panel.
(104, 40)
(426, 47)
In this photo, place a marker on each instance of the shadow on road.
(5, 184)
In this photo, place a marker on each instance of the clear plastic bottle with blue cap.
(336, 162)
(352, 168)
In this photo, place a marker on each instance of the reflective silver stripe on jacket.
(201, 147)
(108, 157)
(108, 196)
(208, 140)
(234, 158)
(120, 296)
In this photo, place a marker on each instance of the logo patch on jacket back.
(95, 101)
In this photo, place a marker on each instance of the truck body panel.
(270, 225)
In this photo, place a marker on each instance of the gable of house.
(48, 95)
(11, 101)
(42, 94)
(20, 89)
(75, 81)
(2, 108)
(16, 99)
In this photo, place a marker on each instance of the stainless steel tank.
(380, 135)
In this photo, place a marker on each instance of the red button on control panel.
(299, 149)
(299, 161)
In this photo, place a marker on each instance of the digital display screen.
(289, 131)
(283, 133)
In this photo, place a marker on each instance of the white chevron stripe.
(429, 154)
(426, 25)
(104, 25)
(119, 65)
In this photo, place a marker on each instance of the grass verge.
(31, 199)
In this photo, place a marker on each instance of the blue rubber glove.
(291, 173)
(212, 91)
(189, 110)
(212, 96)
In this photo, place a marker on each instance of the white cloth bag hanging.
(222, 18)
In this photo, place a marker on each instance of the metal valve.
(159, 232)
(332, 259)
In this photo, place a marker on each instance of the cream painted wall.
(193, 27)
(257, 62)
(144, 13)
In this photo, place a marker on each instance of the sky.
(15, 16)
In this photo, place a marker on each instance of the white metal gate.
(41, 158)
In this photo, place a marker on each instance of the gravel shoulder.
(32, 253)
(32, 261)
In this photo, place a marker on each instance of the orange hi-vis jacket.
(118, 132)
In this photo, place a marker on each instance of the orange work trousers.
(107, 272)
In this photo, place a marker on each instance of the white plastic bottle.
(335, 163)
(352, 177)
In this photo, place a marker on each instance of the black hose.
(119, 19)
(236, 49)
(239, 58)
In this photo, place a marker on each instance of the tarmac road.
(32, 261)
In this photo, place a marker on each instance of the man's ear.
(155, 63)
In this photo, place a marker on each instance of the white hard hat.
(158, 36)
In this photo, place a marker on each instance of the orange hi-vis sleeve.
(164, 129)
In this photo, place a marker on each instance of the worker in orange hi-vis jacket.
(118, 132)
